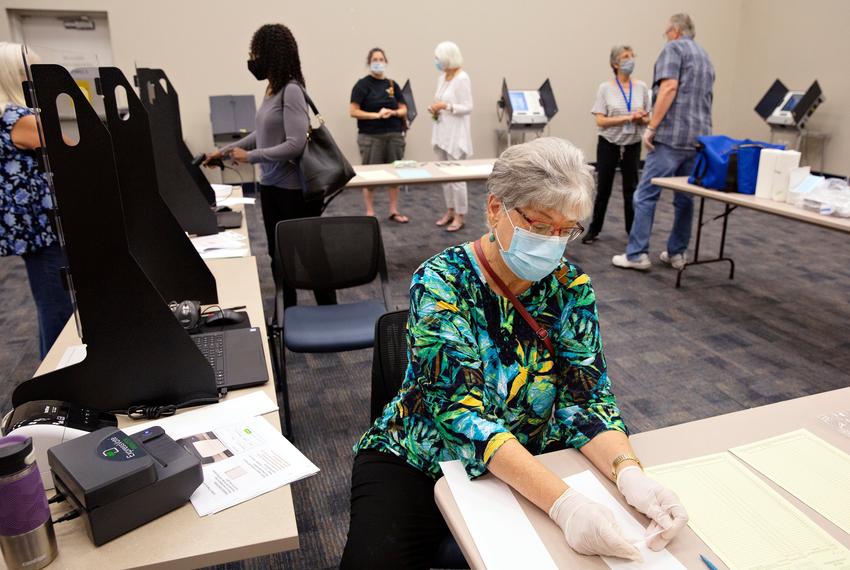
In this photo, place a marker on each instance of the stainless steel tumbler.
(26, 531)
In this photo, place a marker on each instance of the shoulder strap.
(541, 332)
(309, 101)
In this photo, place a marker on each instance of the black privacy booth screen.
(137, 354)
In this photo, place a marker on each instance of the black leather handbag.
(323, 168)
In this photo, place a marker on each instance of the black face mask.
(258, 69)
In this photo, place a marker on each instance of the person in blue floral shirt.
(486, 388)
(25, 202)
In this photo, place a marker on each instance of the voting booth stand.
(156, 239)
(786, 112)
(136, 351)
(525, 111)
(189, 198)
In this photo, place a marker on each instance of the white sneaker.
(677, 261)
(641, 264)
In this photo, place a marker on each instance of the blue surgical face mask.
(378, 67)
(530, 256)
(627, 66)
(438, 65)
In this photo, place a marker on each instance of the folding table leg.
(728, 209)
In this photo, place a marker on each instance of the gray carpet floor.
(779, 330)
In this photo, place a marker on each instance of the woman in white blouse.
(451, 136)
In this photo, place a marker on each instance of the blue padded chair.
(389, 364)
(326, 253)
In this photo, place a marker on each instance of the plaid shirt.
(689, 116)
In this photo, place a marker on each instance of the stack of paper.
(774, 173)
(222, 244)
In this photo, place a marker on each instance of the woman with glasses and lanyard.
(505, 362)
(622, 111)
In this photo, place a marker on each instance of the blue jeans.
(52, 301)
(661, 162)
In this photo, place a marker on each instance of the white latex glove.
(590, 528)
(657, 502)
(648, 137)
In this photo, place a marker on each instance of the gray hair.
(616, 52)
(684, 24)
(546, 173)
(448, 54)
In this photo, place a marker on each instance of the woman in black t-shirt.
(378, 106)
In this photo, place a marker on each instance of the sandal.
(444, 220)
(398, 218)
(455, 227)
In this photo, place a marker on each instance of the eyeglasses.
(549, 230)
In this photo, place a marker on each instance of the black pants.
(608, 156)
(288, 204)
(395, 522)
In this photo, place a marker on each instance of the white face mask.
(378, 67)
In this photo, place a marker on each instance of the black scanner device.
(119, 482)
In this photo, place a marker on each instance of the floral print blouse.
(478, 376)
(24, 194)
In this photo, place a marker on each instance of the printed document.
(241, 461)
(807, 467)
(747, 524)
(374, 175)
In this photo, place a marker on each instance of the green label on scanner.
(119, 447)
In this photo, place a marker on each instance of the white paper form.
(210, 417)
(807, 467)
(74, 354)
(234, 201)
(587, 484)
(468, 170)
(222, 190)
(496, 522)
(241, 461)
(745, 522)
(223, 244)
(375, 175)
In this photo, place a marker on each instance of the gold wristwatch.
(619, 459)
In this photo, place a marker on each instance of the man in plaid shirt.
(682, 95)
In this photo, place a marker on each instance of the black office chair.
(325, 253)
(389, 363)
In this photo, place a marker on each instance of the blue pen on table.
(707, 562)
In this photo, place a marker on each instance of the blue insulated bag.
(728, 164)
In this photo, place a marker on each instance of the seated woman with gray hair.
(506, 362)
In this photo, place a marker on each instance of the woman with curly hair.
(279, 139)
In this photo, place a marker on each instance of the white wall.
(203, 47)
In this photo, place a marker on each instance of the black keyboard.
(211, 346)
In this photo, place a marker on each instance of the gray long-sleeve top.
(280, 136)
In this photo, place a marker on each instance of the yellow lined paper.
(745, 522)
(807, 467)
